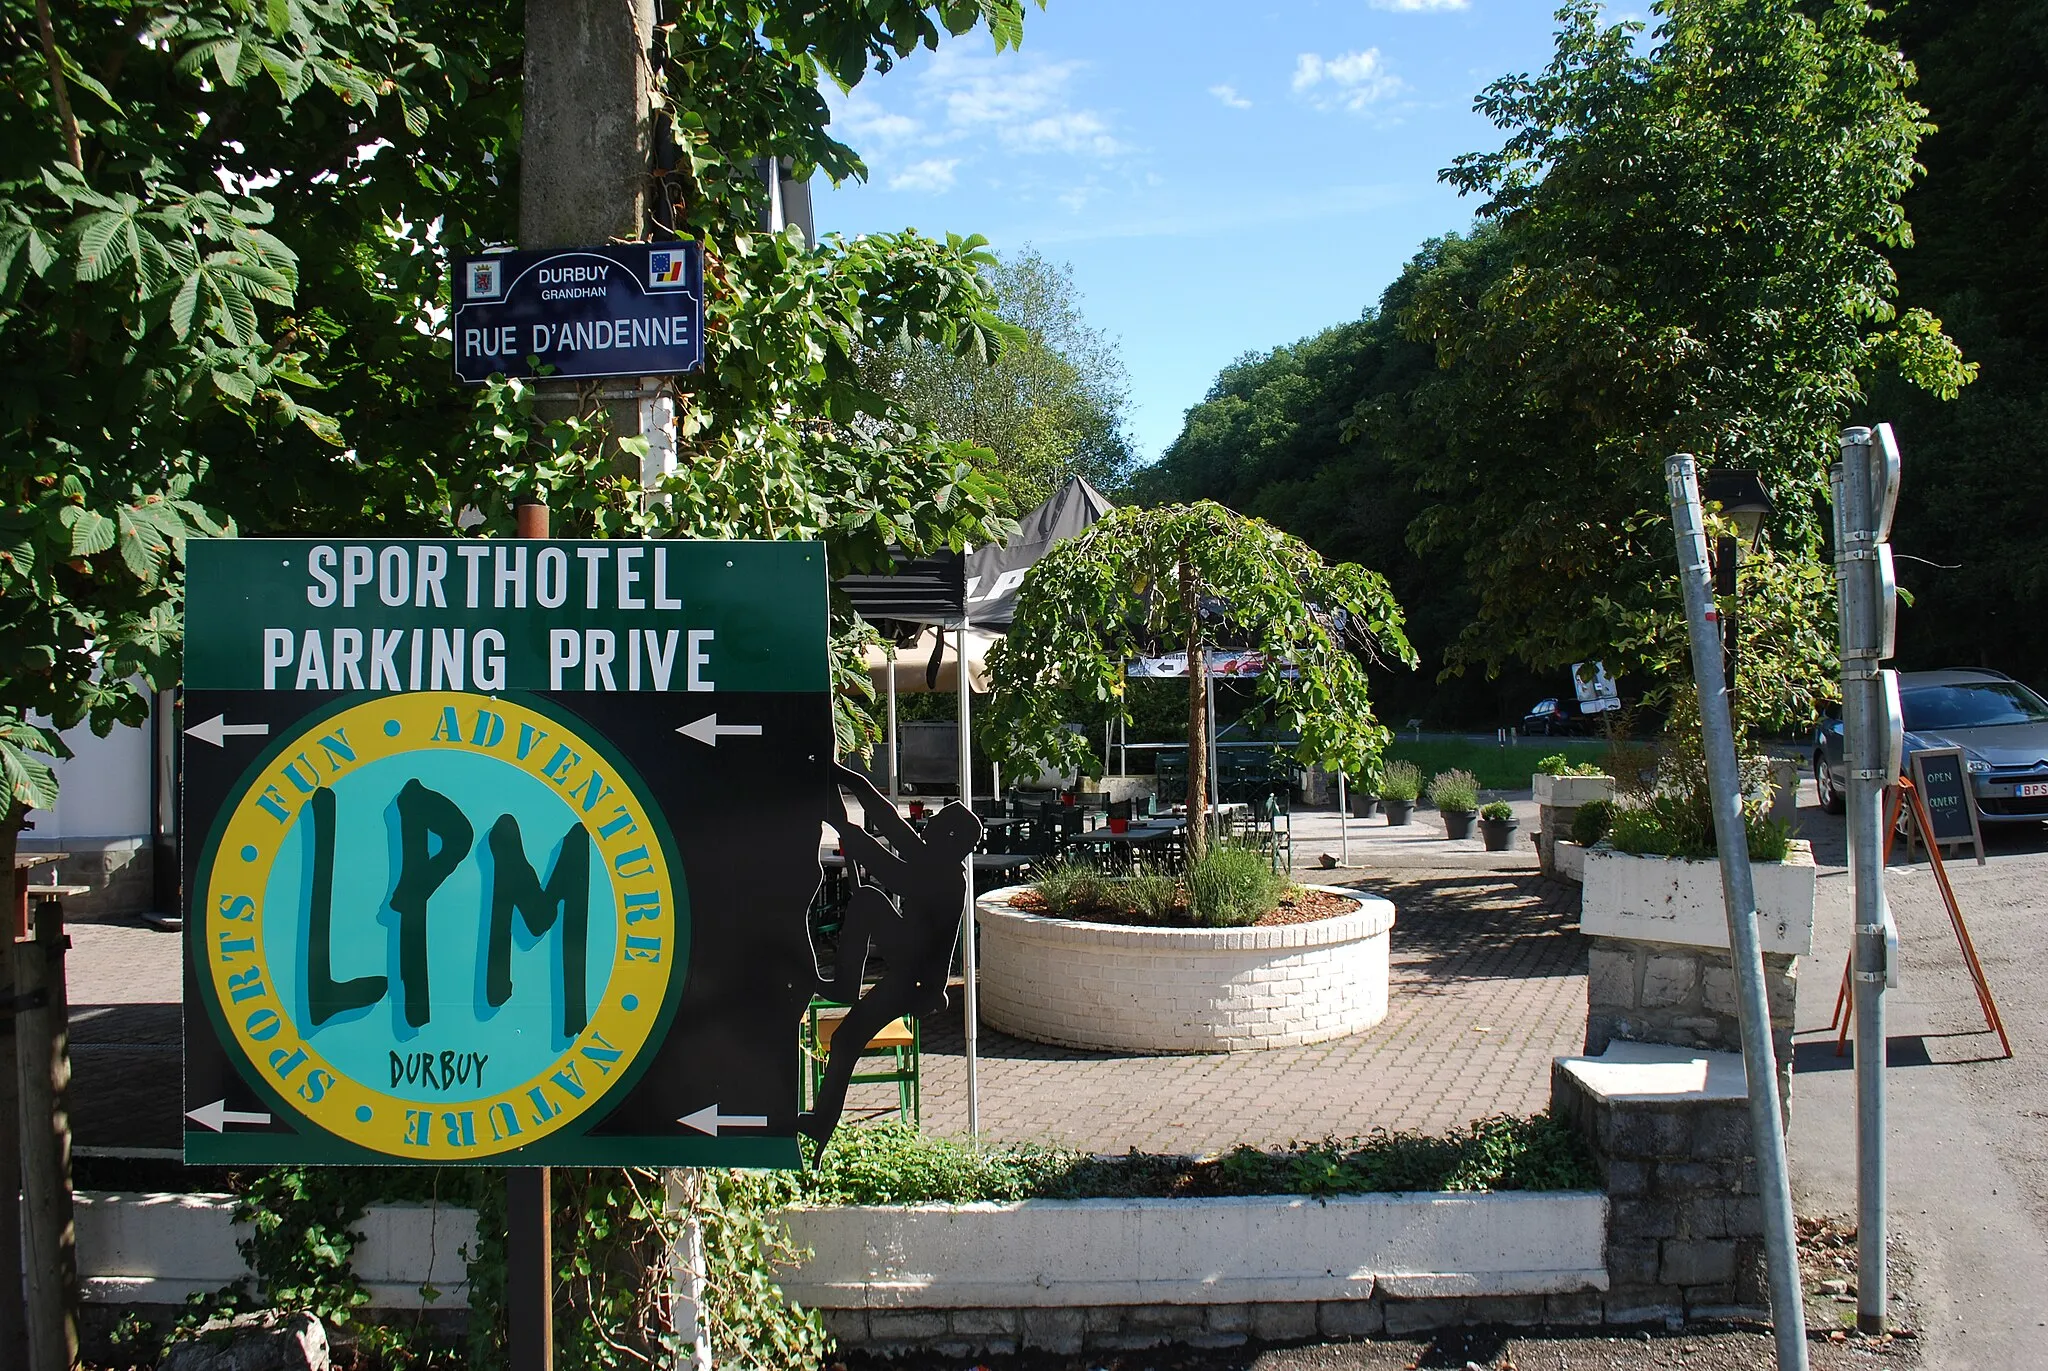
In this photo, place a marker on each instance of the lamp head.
(1742, 498)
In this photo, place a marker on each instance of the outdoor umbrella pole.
(970, 1007)
(895, 781)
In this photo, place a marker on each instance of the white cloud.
(858, 117)
(954, 111)
(933, 174)
(1229, 96)
(1420, 6)
(1351, 80)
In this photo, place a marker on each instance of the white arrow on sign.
(708, 730)
(217, 1116)
(218, 727)
(709, 1120)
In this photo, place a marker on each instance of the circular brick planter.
(1117, 988)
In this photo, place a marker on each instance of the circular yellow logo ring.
(441, 926)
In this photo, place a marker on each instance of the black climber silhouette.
(926, 872)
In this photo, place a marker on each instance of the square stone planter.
(1557, 802)
(1659, 970)
(1669, 900)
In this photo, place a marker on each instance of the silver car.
(2001, 726)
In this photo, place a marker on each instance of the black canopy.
(934, 590)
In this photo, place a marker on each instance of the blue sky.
(1223, 178)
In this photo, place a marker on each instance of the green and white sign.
(500, 851)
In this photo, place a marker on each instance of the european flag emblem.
(664, 268)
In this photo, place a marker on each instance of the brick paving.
(1488, 984)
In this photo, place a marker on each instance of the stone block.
(1698, 1262)
(1717, 989)
(1627, 1180)
(1642, 1304)
(1105, 1318)
(1420, 1316)
(1164, 1318)
(984, 1322)
(905, 1325)
(1508, 1309)
(1054, 1330)
(1290, 1322)
(1721, 1130)
(1669, 981)
(1702, 1216)
(846, 1325)
(1745, 1215)
(1349, 1319)
(1611, 976)
(1633, 1263)
(1644, 1131)
(1576, 1309)
(1227, 1318)
(267, 1341)
(1636, 1220)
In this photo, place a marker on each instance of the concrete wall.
(1121, 988)
(102, 820)
(137, 1249)
(1067, 1274)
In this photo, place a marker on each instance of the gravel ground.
(1703, 1348)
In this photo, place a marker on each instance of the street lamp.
(1742, 499)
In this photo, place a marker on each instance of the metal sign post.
(1767, 1124)
(1866, 486)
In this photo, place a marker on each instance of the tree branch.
(56, 62)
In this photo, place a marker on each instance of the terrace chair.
(900, 1041)
(1276, 832)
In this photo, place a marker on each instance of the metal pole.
(1767, 1125)
(1863, 723)
(1343, 823)
(529, 1268)
(970, 1007)
(894, 783)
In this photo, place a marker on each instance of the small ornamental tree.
(1190, 577)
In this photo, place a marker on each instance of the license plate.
(2031, 790)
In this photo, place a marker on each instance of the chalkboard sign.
(1942, 776)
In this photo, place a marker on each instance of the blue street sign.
(625, 309)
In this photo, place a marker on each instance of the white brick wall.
(1120, 988)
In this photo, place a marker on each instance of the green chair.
(900, 1041)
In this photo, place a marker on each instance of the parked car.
(2001, 726)
(1555, 716)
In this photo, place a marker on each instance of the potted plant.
(1455, 793)
(1400, 783)
(1365, 802)
(1497, 825)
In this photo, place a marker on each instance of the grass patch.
(1496, 767)
(890, 1163)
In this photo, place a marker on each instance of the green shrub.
(1232, 886)
(892, 1164)
(1454, 790)
(1071, 890)
(1401, 781)
(1666, 826)
(1557, 764)
(1591, 822)
(1496, 810)
(1152, 898)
